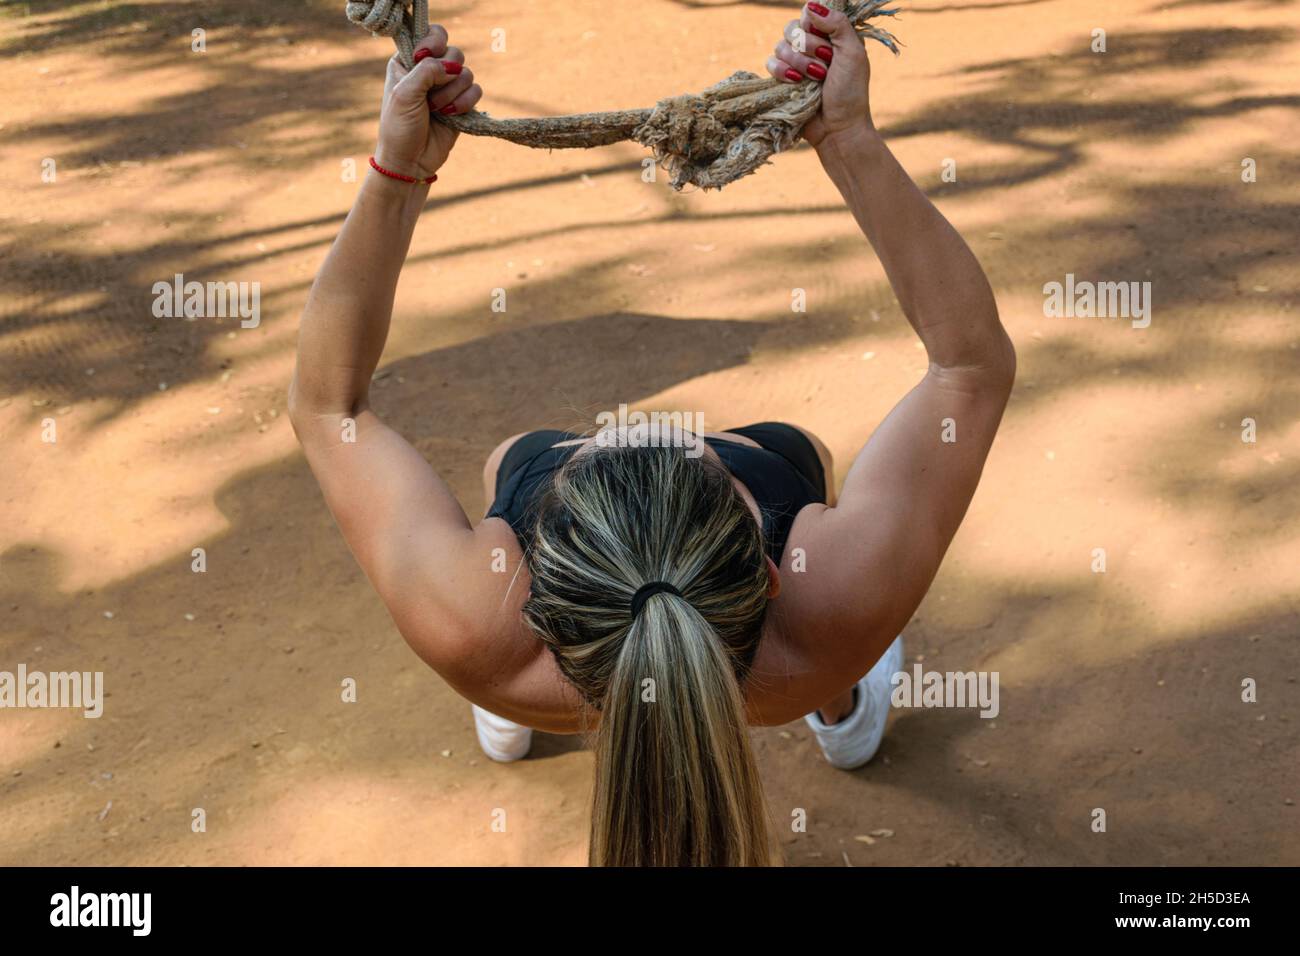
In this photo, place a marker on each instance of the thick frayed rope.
(708, 139)
(390, 18)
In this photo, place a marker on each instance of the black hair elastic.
(646, 590)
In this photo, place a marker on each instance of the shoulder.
(828, 615)
(462, 600)
(470, 629)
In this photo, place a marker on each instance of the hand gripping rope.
(709, 139)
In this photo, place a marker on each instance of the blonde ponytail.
(676, 782)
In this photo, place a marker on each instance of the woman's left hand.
(410, 142)
(822, 46)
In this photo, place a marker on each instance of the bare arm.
(876, 552)
(402, 523)
(921, 467)
(345, 322)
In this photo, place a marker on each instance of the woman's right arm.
(938, 282)
(877, 551)
(400, 519)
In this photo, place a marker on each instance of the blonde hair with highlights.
(675, 779)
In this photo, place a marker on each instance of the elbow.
(302, 411)
(294, 408)
(315, 419)
(993, 353)
(994, 373)
(1003, 361)
(986, 361)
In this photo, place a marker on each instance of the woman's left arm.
(403, 524)
(345, 322)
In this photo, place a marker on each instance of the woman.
(665, 599)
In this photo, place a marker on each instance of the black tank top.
(783, 475)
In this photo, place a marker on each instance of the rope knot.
(686, 128)
(383, 18)
(729, 130)
(391, 18)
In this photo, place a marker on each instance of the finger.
(830, 25)
(800, 40)
(813, 31)
(788, 54)
(453, 54)
(415, 86)
(782, 70)
(435, 42)
(464, 102)
(443, 95)
(447, 68)
(808, 43)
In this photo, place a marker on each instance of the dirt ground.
(1120, 690)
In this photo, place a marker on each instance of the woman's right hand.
(410, 142)
(823, 47)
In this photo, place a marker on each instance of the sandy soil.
(1120, 690)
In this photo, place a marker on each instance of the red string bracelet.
(398, 176)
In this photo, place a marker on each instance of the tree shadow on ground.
(150, 33)
(1164, 760)
(1033, 105)
(1020, 793)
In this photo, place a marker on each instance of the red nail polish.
(451, 67)
(793, 75)
(818, 9)
(818, 33)
(423, 54)
(817, 71)
(449, 109)
(824, 53)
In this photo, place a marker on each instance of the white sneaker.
(854, 740)
(501, 739)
